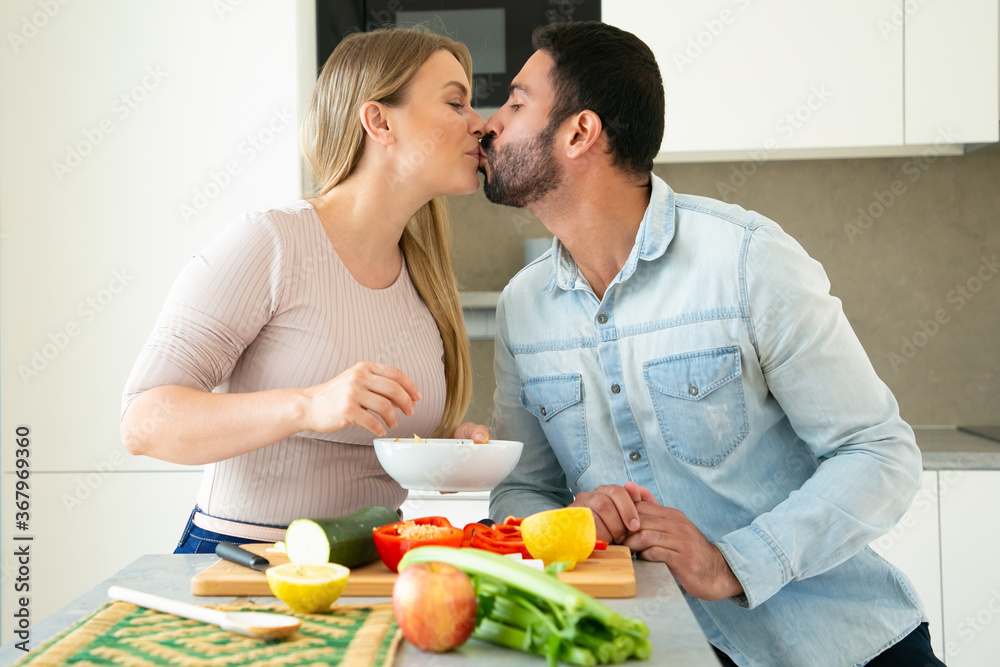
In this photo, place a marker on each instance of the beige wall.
(902, 269)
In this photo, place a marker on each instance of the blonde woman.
(302, 331)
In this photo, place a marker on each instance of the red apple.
(435, 606)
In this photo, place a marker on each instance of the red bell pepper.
(391, 545)
(502, 538)
(489, 538)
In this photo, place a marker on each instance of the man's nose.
(493, 125)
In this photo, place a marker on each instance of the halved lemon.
(307, 589)
(566, 534)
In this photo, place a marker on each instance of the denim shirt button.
(693, 390)
(615, 388)
(635, 456)
(543, 411)
(602, 319)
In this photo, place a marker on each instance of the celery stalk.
(520, 614)
(496, 632)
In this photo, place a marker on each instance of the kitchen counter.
(947, 448)
(677, 638)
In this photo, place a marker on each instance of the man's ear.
(375, 120)
(586, 130)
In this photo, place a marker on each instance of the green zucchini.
(346, 540)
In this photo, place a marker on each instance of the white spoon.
(249, 623)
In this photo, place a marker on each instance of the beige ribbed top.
(269, 305)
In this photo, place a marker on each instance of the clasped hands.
(631, 515)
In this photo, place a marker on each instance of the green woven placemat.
(119, 633)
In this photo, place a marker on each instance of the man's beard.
(521, 174)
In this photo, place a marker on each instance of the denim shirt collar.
(655, 233)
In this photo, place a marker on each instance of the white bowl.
(447, 465)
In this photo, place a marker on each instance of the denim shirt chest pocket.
(699, 404)
(557, 402)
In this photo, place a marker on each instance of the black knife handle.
(239, 555)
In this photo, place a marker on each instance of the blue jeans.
(913, 650)
(197, 540)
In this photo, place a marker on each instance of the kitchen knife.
(239, 555)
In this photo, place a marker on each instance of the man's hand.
(614, 509)
(477, 433)
(667, 536)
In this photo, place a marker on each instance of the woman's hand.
(366, 394)
(477, 433)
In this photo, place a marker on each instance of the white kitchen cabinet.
(952, 71)
(86, 526)
(786, 79)
(741, 75)
(914, 546)
(970, 542)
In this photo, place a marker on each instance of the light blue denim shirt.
(720, 373)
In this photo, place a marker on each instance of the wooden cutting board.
(606, 574)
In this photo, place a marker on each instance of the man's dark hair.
(614, 74)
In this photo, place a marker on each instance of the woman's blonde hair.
(378, 66)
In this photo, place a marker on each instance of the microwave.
(497, 32)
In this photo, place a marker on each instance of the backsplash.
(910, 245)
